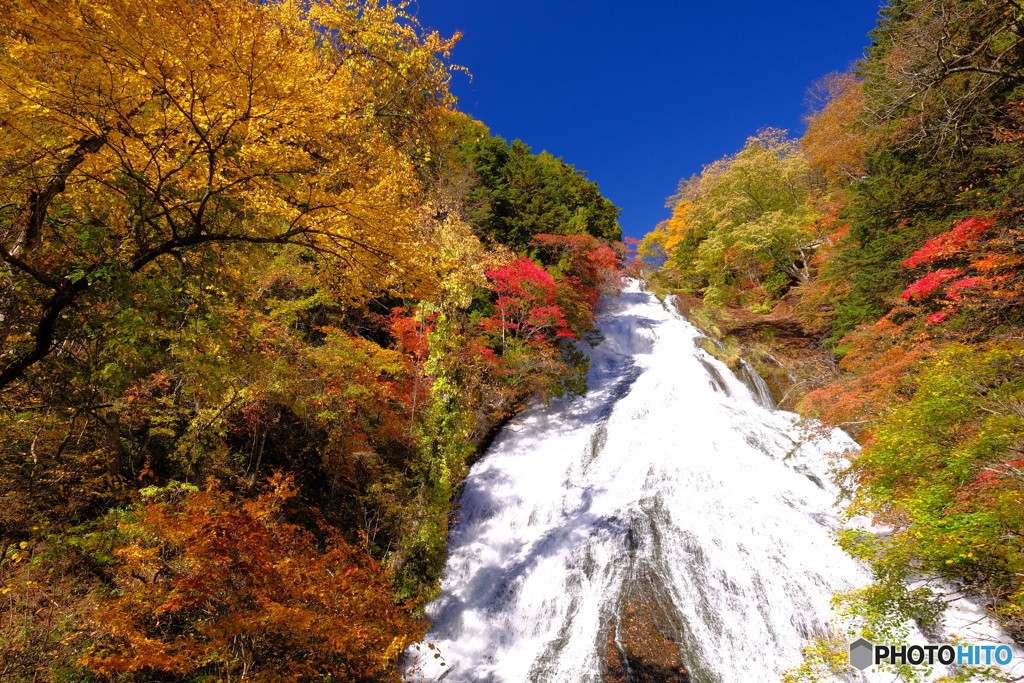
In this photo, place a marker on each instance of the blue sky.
(641, 95)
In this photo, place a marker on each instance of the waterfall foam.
(669, 483)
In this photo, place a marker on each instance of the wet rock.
(643, 643)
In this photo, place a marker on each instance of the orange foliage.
(883, 363)
(1012, 128)
(211, 585)
(987, 485)
(834, 142)
(411, 331)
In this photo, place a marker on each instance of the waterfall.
(666, 526)
(758, 387)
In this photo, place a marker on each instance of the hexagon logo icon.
(861, 654)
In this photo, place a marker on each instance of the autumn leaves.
(143, 133)
(241, 239)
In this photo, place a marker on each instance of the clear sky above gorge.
(642, 94)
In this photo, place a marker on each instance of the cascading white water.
(668, 483)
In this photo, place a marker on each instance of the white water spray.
(670, 479)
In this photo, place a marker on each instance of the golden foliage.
(659, 244)
(136, 132)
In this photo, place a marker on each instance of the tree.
(585, 266)
(981, 276)
(835, 142)
(942, 469)
(937, 67)
(939, 83)
(526, 308)
(518, 194)
(747, 218)
(139, 140)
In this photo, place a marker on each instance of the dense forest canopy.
(265, 294)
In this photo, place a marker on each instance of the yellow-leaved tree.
(140, 137)
(745, 224)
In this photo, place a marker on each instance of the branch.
(24, 267)
(44, 333)
(39, 200)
